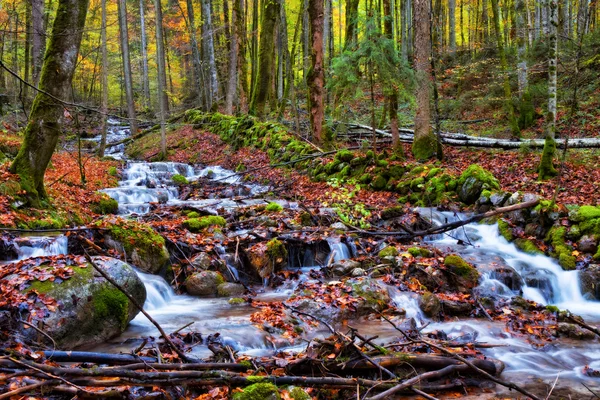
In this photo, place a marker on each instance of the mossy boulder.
(379, 182)
(138, 241)
(273, 207)
(389, 251)
(464, 275)
(344, 155)
(505, 230)
(204, 283)
(90, 309)
(106, 205)
(420, 252)
(473, 181)
(560, 249)
(258, 391)
(230, 289)
(179, 179)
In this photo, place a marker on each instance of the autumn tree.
(43, 129)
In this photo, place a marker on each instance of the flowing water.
(539, 278)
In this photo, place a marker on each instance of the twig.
(26, 364)
(553, 386)
(40, 331)
(422, 393)
(28, 388)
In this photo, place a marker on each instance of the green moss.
(258, 391)
(246, 363)
(299, 394)
(80, 276)
(10, 188)
(417, 184)
(369, 155)
(461, 267)
(553, 309)
(112, 171)
(47, 223)
(389, 251)
(505, 230)
(192, 214)
(236, 301)
(274, 207)
(556, 237)
(433, 172)
(546, 169)
(396, 171)
(106, 205)
(373, 298)
(179, 179)
(198, 224)
(392, 212)
(306, 219)
(425, 146)
(379, 182)
(382, 163)
(586, 212)
(137, 236)
(276, 250)
(110, 301)
(480, 174)
(527, 246)
(419, 252)
(344, 155)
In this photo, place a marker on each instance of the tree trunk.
(266, 58)
(425, 144)
(452, 25)
(546, 169)
(38, 39)
(27, 61)
(351, 23)
(233, 62)
(326, 31)
(196, 62)
(43, 129)
(209, 48)
(146, 83)
(161, 79)
(240, 25)
(316, 76)
(103, 81)
(388, 29)
(582, 18)
(407, 29)
(508, 106)
(124, 36)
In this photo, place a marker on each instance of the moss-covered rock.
(344, 155)
(430, 305)
(199, 224)
(273, 207)
(230, 289)
(505, 230)
(142, 245)
(473, 181)
(392, 212)
(420, 252)
(204, 283)
(557, 238)
(266, 258)
(389, 251)
(91, 309)
(465, 275)
(179, 179)
(379, 182)
(527, 246)
(106, 205)
(258, 391)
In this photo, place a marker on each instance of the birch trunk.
(124, 36)
(546, 169)
(209, 47)
(161, 79)
(452, 25)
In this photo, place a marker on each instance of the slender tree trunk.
(546, 168)
(103, 81)
(27, 61)
(452, 25)
(266, 62)
(124, 35)
(326, 31)
(254, 49)
(43, 129)
(305, 42)
(508, 106)
(38, 39)
(146, 83)
(407, 26)
(161, 79)
(316, 77)
(425, 144)
(196, 62)
(233, 62)
(240, 25)
(209, 48)
(582, 18)
(388, 29)
(351, 23)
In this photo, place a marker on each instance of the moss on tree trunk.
(43, 130)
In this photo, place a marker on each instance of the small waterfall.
(38, 246)
(158, 292)
(339, 250)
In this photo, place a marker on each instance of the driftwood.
(579, 321)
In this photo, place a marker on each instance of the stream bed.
(541, 280)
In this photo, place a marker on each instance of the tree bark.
(38, 39)
(316, 76)
(425, 145)
(351, 23)
(43, 129)
(124, 36)
(452, 25)
(103, 81)
(546, 169)
(266, 58)
(240, 25)
(145, 80)
(233, 62)
(388, 29)
(209, 48)
(162, 79)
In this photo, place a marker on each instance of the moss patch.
(505, 230)
(274, 207)
(460, 267)
(179, 179)
(276, 251)
(106, 205)
(561, 251)
(389, 251)
(258, 391)
(199, 224)
(419, 252)
(527, 246)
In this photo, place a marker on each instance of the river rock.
(339, 226)
(589, 281)
(201, 261)
(230, 289)
(430, 305)
(572, 331)
(204, 283)
(588, 244)
(268, 257)
(90, 309)
(456, 308)
(344, 267)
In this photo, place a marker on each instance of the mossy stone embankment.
(560, 249)
(140, 243)
(587, 222)
(91, 310)
(473, 181)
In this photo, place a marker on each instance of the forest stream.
(539, 279)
